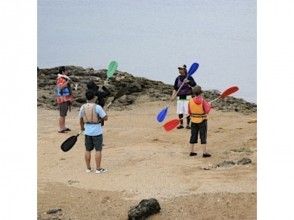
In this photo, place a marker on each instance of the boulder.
(144, 209)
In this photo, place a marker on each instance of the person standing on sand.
(64, 97)
(183, 95)
(198, 110)
(90, 116)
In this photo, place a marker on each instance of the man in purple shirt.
(183, 95)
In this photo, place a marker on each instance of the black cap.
(182, 67)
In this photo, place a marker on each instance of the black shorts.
(198, 128)
(92, 142)
(63, 108)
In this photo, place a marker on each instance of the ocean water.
(152, 38)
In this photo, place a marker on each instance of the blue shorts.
(92, 142)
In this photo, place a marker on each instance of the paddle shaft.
(174, 95)
(180, 88)
(215, 99)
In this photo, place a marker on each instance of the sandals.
(64, 130)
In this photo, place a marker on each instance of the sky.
(152, 38)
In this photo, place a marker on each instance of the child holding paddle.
(91, 116)
(198, 110)
(183, 95)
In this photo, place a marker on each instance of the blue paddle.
(163, 113)
(193, 69)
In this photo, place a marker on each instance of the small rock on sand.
(252, 121)
(70, 182)
(244, 161)
(226, 163)
(53, 211)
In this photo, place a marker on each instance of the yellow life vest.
(197, 112)
(89, 114)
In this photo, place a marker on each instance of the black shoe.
(206, 155)
(193, 154)
(67, 129)
(180, 127)
(188, 127)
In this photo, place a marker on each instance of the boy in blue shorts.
(91, 116)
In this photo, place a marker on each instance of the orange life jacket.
(197, 111)
(89, 114)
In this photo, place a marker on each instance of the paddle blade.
(229, 91)
(193, 69)
(162, 114)
(111, 68)
(69, 143)
(170, 125)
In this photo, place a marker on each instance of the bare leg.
(204, 148)
(192, 153)
(88, 159)
(98, 157)
(188, 121)
(61, 123)
(205, 154)
(181, 121)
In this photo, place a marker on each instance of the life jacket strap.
(195, 115)
(93, 122)
(93, 118)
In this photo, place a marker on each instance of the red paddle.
(170, 125)
(227, 92)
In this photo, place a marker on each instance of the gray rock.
(134, 87)
(144, 209)
(226, 163)
(53, 211)
(244, 161)
(126, 100)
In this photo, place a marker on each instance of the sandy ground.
(144, 161)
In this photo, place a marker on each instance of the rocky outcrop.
(124, 86)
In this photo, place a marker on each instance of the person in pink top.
(198, 109)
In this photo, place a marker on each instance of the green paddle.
(111, 69)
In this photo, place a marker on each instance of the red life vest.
(63, 95)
